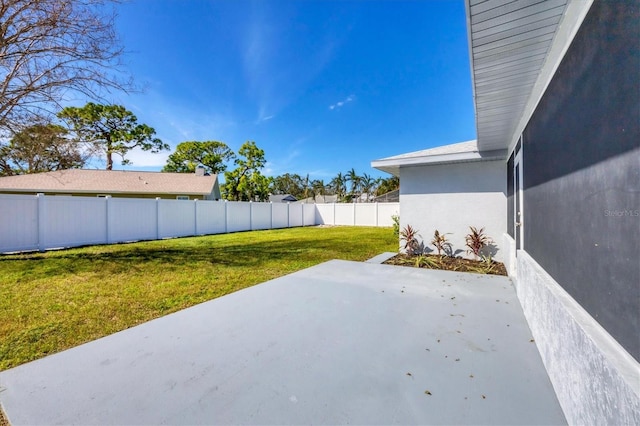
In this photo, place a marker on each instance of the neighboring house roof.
(463, 152)
(282, 198)
(110, 182)
(320, 199)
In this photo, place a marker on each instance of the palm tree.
(366, 185)
(353, 177)
(318, 187)
(339, 185)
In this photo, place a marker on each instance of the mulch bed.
(447, 263)
(3, 419)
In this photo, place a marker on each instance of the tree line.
(247, 183)
(106, 131)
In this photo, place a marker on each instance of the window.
(182, 197)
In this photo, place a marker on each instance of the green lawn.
(56, 300)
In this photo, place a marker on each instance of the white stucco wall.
(452, 197)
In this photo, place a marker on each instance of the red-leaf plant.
(476, 240)
(410, 237)
(441, 243)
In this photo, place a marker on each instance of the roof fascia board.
(467, 7)
(463, 157)
(574, 16)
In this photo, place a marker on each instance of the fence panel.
(344, 214)
(176, 218)
(210, 217)
(385, 211)
(260, 215)
(73, 221)
(238, 216)
(365, 214)
(18, 222)
(132, 219)
(40, 222)
(309, 217)
(295, 215)
(324, 214)
(280, 215)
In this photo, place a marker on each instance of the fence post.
(195, 217)
(108, 218)
(226, 219)
(41, 222)
(157, 218)
(376, 214)
(354, 214)
(288, 214)
(250, 215)
(334, 214)
(271, 206)
(303, 204)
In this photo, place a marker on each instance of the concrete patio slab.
(382, 257)
(341, 342)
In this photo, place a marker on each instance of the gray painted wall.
(581, 156)
(597, 382)
(452, 197)
(578, 277)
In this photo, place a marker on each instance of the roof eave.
(393, 166)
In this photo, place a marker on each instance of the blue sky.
(321, 86)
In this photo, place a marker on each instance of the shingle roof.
(110, 181)
(281, 198)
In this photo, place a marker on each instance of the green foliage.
(476, 240)
(245, 182)
(410, 237)
(189, 155)
(354, 179)
(441, 243)
(339, 186)
(396, 224)
(111, 129)
(349, 187)
(39, 148)
(288, 183)
(388, 185)
(485, 266)
(424, 261)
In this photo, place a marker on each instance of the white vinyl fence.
(357, 214)
(44, 222)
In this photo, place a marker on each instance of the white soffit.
(509, 44)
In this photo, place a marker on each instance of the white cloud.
(145, 159)
(340, 104)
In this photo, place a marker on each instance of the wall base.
(509, 255)
(595, 379)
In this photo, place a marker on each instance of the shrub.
(410, 237)
(396, 224)
(441, 243)
(486, 266)
(476, 240)
(430, 262)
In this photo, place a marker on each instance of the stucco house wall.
(452, 197)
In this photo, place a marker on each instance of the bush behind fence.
(45, 222)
